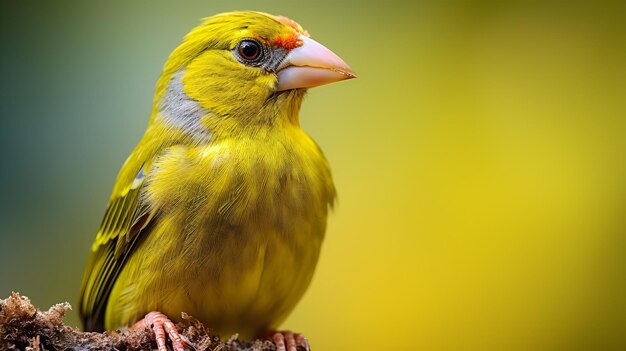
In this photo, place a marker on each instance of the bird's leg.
(162, 327)
(288, 341)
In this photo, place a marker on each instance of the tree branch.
(24, 327)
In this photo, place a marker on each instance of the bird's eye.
(249, 51)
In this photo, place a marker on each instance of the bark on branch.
(24, 327)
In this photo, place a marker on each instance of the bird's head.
(242, 68)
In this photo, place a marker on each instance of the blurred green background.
(479, 158)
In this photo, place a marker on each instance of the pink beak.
(311, 65)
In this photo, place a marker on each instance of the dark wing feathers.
(109, 253)
(126, 220)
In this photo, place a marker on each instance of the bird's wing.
(126, 220)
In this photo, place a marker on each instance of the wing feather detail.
(126, 220)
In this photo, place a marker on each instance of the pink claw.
(162, 327)
(288, 341)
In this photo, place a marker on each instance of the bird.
(221, 209)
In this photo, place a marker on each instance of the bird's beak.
(311, 65)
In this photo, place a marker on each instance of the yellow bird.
(220, 210)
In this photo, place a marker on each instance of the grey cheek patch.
(180, 111)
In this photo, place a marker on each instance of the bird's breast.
(243, 180)
(249, 217)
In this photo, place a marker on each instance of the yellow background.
(479, 158)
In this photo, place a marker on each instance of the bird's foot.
(162, 327)
(288, 341)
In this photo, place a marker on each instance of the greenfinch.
(220, 210)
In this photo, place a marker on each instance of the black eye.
(250, 51)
